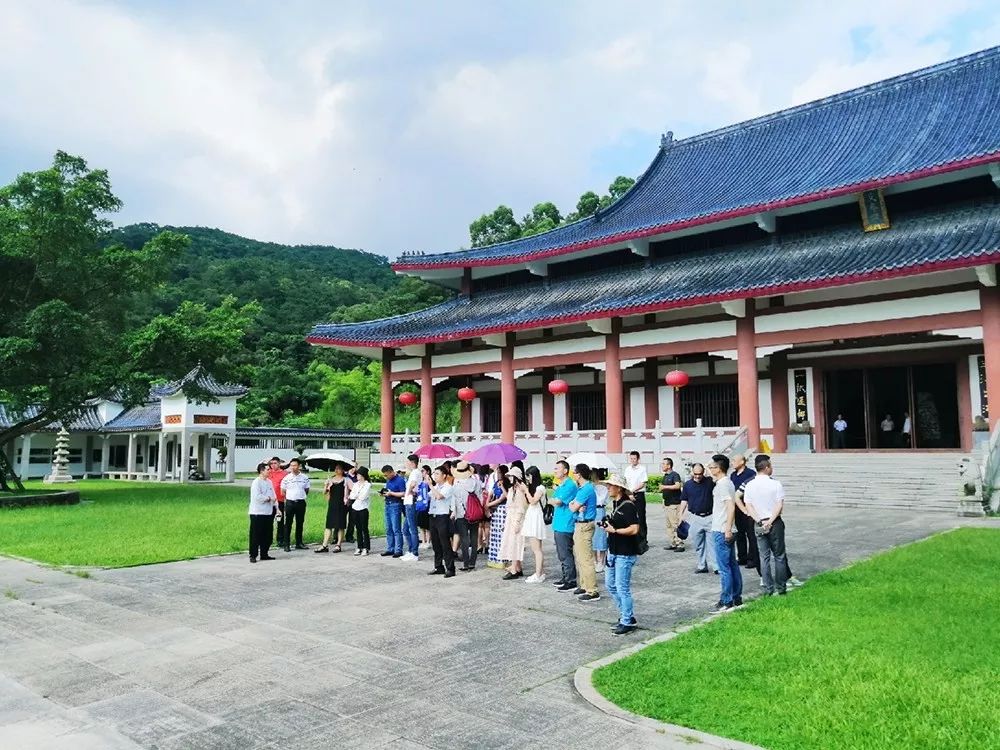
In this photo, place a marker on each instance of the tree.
(543, 217)
(588, 204)
(619, 187)
(491, 228)
(74, 321)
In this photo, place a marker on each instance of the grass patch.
(126, 523)
(897, 651)
(11, 594)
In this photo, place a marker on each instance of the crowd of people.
(461, 511)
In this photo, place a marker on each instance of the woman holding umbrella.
(337, 508)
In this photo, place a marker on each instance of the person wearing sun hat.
(622, 523)
(512, 542)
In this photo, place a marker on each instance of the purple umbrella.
(495, 453)
(436, 450)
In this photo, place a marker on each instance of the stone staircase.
(926, 482)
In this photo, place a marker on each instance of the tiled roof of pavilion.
(88, 419)
(931, 121)
(917, 243)
(142, 417)
(204, 380)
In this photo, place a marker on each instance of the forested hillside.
(296, 287)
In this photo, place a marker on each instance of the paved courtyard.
(318, 651)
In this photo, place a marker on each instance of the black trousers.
(640, 506)
(260, 535)
(444, 556)
(746, 541)
(468, 541)
(295, 510)
(359, 520)
(351, 524)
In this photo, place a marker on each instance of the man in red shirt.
(277, 474)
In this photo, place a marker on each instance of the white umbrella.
(326, 460)
(593, 460)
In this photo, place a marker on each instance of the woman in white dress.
(533, 528)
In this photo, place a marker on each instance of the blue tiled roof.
(86, 420)
(917, 243)
(933, 120)
(143, 417)
(204, 380)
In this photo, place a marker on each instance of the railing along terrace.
(652, 444)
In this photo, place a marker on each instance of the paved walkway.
(343, 651)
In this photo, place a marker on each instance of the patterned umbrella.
(495, 453)
(436, 450)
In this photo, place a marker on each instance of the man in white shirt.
(764, 498)
(724, 535)
(442, 510)
(907, 429)
(840, 432)
(410, 533)
(636, 478)
(295, 485)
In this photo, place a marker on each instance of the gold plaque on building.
(874, 216)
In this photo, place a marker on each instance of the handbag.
(547, 514)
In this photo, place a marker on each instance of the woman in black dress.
(336, 492)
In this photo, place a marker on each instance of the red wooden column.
(989, 302)
(426, 400)
(746, 374)
(651, 391)
(548, 401)
(964, 403)
(779, 402)
(614, 402)
(388, 404)
(508, 393)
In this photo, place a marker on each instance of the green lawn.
(900, 651)
(126, 523)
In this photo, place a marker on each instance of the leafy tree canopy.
(73, 321)
(501, 226)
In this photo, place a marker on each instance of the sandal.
(321, 549)
(337, 549)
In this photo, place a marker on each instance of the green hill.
(297, 287)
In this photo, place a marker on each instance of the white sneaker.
(793, 581)
(409, 557)
(535, 578)
(598, 568)
(357, 553)
(364, 553)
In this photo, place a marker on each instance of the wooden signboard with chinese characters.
(211, 419)
(874, 217)
(983, 396)
(801, 397)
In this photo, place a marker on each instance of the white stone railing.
(547, 446)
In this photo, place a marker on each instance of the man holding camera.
(393, 493)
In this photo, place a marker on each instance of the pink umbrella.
(495, 453)
(436, 450)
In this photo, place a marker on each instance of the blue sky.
(389, 126)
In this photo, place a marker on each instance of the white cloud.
(393, 130)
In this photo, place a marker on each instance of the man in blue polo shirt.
(393, 492)
(746, 540)
(563, 525)
(696, 500)
(584, 507)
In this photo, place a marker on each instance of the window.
(587, 410)
(716, 404)
(490, 406)
(522, 421)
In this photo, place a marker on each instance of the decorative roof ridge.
(210, 384)
(929, 71)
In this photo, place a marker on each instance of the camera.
(382, 491)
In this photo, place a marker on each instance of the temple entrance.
(893, 408)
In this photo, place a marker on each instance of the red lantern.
(558, 387)
(407, 398)
(466, 394)
(677, 378)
